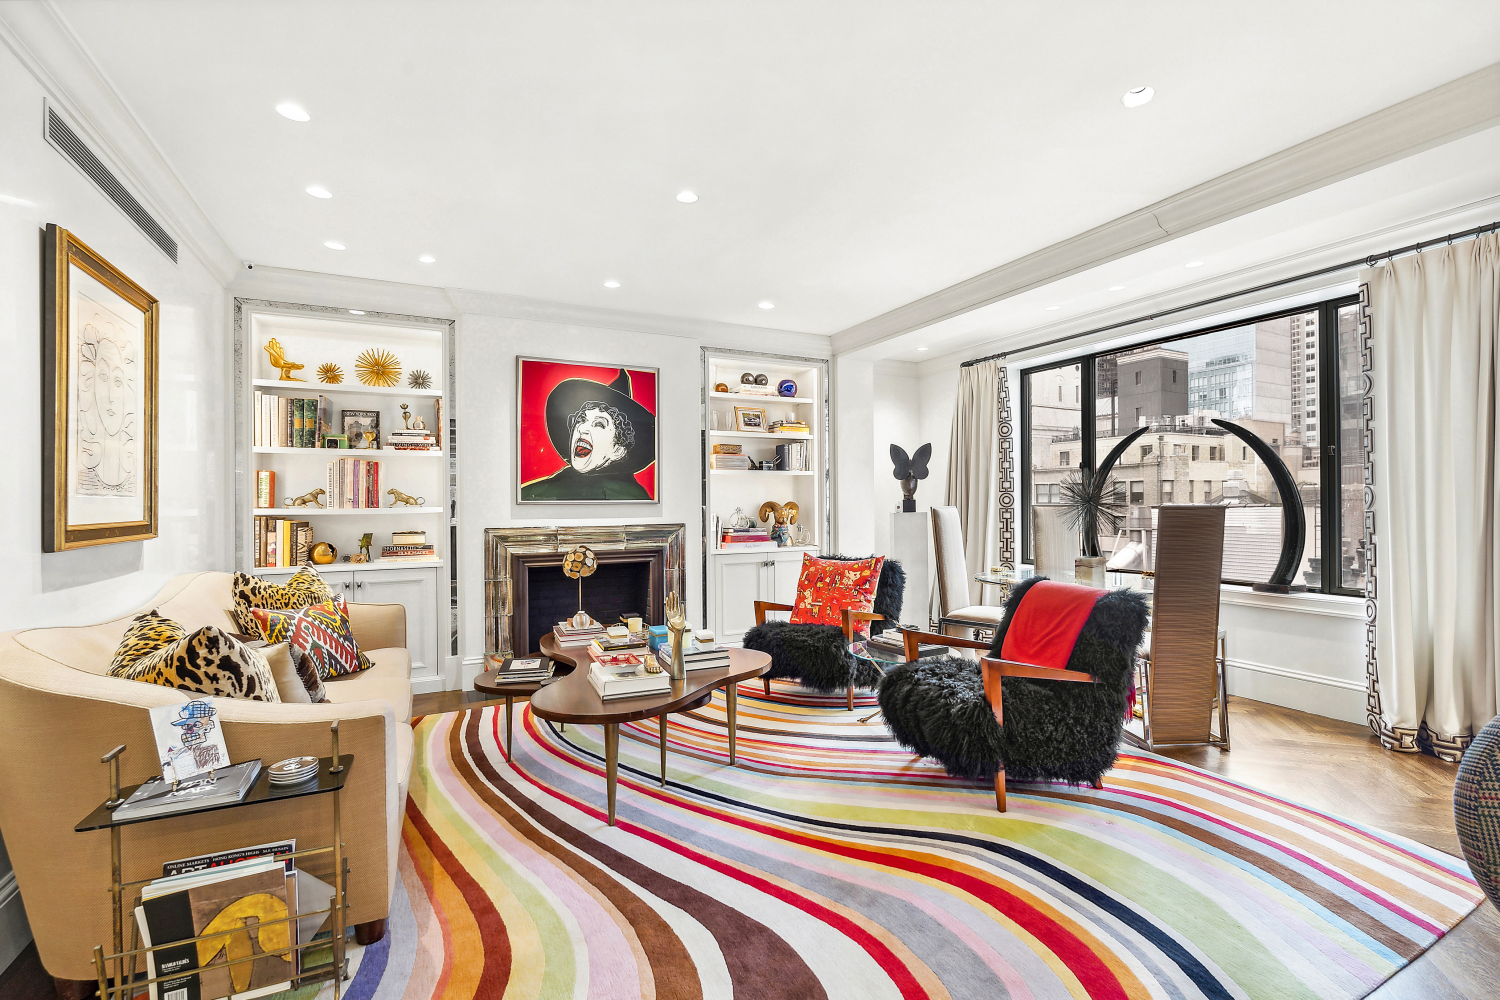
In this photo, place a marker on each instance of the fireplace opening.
(614, 590)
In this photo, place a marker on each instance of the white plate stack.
(293, 770)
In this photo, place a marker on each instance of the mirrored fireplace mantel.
(507, 552)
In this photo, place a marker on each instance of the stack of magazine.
(894, 641)
(508, 670)
(155, 797)
(249, 893)
(695, 655)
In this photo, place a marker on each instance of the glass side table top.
(996, 577)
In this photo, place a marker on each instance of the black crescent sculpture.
(1118, 450)
(1293, 520)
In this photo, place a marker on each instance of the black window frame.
(1330, 438)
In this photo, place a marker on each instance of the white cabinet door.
(782, 580)
(417, 590)
(340, 581)
(739, 581)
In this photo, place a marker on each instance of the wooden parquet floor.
(1334, 766)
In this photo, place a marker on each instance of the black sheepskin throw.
(817, 655)
(1054, 730)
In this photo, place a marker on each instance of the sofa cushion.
(405, 744)
(210, 661)
(388, 680)
(321, 630)
(826, 587)
(249, 592)
(283, 663)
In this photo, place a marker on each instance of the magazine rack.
(333, 773)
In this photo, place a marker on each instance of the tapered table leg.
(661, 721)
(508, 702)
(611, 763)
(732, 700)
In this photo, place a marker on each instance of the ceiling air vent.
(66, 141)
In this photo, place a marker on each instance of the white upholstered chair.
(1054, 545)
(957, 615)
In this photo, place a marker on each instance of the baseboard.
(15, 932)
(427, 685)
(1318, 694)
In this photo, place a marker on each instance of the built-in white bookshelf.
(736, 577)
(315, 337)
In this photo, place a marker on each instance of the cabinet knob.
(359, 584)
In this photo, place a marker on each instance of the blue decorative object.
(786, 387)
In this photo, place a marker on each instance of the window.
(1051, 425)
(1047, 493)
(1294, 378)
(1062, 458)
(1059, 394)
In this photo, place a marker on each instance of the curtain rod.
(1369, 261)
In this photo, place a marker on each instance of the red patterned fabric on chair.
(826, 587)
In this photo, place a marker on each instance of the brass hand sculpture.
(278, 360)
(677, 626)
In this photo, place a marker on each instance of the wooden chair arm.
(994, 670)
(913, 639)
(761, 607)
(851, 616)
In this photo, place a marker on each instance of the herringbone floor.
(1334, 766)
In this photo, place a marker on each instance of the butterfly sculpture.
(910, 470)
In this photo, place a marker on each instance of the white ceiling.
(851, 155)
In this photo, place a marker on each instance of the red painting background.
(538, 378)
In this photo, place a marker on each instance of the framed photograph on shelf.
(361, 428)
(749, 418)
(585, 433)
(99, 400)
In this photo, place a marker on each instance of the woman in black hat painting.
(603, 435)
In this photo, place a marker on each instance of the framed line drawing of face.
(585, 433)
(99, 397)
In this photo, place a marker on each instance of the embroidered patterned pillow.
(210, 661)
(321, 631)
(825, 587)
(250, 592)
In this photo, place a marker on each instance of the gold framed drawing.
(99, 400)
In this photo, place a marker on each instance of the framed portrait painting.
(99, 396)
(585, 433)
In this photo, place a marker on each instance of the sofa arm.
(378, 626)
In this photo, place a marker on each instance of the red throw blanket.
(1045, 626)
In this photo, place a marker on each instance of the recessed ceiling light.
(295, 112)
(1193, 263)
(1117, 288)
(1050, 308)
(335, 246)
(768, 305)
(611, 284)
(356, 312)
(1137, 96)
(427, 258)
(11, 199)
(921, 348)
(686, 197)
(318, 191)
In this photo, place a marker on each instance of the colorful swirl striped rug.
(828, 863)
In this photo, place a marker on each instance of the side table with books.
(511, 678)
(202, 905)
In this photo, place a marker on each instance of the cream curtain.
(974, 465)
(1435, 371)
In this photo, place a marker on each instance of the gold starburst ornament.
(330, 373)
(418, 379)
(378, 368)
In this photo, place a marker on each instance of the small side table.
(877, 656)
(1004, 579)
(486, 683)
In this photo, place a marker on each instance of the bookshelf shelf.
(297, 512)
(756, 472)
(365, 567)
(328, 454)
(759, 436)
(761, 401)
(305, 389)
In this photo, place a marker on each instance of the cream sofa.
(60, 712)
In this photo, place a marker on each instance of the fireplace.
(526, 592)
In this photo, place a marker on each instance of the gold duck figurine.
(278, 360)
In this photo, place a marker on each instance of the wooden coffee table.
(573, 699)
(486, 683)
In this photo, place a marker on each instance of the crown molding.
(45, 43)
(902, 369)
(1456, 109)
(285, 284)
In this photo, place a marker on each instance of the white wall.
(38, 186)
(895, 420)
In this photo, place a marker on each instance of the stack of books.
(281, 542)
(155, 796)
(794, 456)
(612, 644)
(284, 422)
(572, 635)
(790, 427)
(695, 655)
(729, 462)
(746, 389)
(410, 440)
(353, 483)
(626, 676)
(265, 488)
(746, 539)
(892, 640)
(407, 553)
(508, 670)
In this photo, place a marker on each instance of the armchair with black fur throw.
(1048, 702)
(817, 656)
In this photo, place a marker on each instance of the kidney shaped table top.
(573, 699)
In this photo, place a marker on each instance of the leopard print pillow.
(210, 661)
(305, 588)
